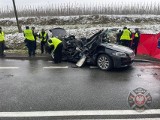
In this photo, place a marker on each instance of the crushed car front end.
(120, 55)
(122, 59)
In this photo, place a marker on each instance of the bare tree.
(15, 11)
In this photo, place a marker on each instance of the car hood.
(118, 48)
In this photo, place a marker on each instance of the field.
(81, 21)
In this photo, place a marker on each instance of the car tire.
(104, 62)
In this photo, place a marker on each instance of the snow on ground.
(86, 16)
(15, 40)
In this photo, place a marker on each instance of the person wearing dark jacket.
(35, 39)
(118, 37)
(56, 45)
(43, 38)
(136, 40)
(2, 45)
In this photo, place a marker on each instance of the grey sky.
(4, 3)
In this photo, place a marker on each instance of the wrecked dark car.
(96, 49)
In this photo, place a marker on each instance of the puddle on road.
(147, 71)
(8, 75)
(3, 77)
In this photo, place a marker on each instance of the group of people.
(129, 39)
(124, 37)
(31, 39)
(54, 43)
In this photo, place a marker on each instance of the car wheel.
(104, 62)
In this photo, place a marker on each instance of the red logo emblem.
(139, 99)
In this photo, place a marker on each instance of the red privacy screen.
(148, 45)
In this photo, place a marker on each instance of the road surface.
(41, 90)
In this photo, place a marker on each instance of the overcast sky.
(4, 3)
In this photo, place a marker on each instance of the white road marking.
(137, 66)
(55, 67)
(50, 61)
(9, 67)
(79, 113)
(93, 67)
(148, 67)
(10, 60)
(132, 119)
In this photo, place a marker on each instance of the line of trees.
(75, 9)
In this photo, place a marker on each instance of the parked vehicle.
(98, 51)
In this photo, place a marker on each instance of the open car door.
(58, 32)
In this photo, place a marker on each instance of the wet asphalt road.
(34, 87)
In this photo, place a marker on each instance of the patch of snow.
(86, 29)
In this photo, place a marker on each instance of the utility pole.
(15, 11)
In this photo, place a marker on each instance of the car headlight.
(120, 54)
(132, 56)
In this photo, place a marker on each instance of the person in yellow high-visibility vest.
(57, 45)
(126, 37)
(136, 40)
(2, 37)
(43, 38)
(30, 41)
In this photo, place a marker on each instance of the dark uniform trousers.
(58, 53)
(1, 48)
(43, 46)
(126, 43)
(31, 47)
(135, 44)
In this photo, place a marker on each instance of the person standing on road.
(2, 45)
(118, 37)
(35, 38)
(126, 37)
(57, 45)
(136, 40)
(43, 38)
(30, 41)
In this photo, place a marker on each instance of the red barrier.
(148, 45)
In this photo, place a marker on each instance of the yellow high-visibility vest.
(1, 36)
(55, 42)
(136, 35)
(126, 35)
(45, 34)
(29, 34)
